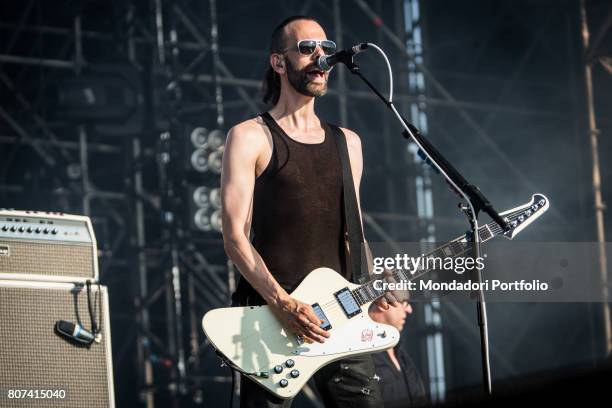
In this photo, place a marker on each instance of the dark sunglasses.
(307, 47)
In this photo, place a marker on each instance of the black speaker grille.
(49, 259)
(33, 356)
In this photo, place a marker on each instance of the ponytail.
(271, 87)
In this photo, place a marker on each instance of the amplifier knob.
(29, 229)
(278, 369)
(4, 228)
(21, 229)
(289, 363)
(54, 231)
(37, 230)
(46, 231)
(13, 229)
(283, 383)
(295, 373)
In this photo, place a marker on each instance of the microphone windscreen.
(65, 327)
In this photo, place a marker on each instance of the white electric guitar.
(252, 340)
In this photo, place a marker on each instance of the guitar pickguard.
(358, 334)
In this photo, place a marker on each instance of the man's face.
(396, 316)
(302, 71)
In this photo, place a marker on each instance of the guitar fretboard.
(367, 292)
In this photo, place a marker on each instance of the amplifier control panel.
(43, 226)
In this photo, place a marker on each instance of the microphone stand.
(476, 202)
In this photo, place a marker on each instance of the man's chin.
(317, 90)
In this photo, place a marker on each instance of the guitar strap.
(352, 220)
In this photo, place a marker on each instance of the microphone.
(326, 62)
(74, 332)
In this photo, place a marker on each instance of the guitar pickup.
(348, 303)
(326, 325)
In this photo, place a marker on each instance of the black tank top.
(298, 216)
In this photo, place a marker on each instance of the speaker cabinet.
(36, 359)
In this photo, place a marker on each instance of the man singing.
(282, 182)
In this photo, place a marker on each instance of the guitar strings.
(495, 229)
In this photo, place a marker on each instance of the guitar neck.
(368, 293)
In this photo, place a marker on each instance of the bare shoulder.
(249, 131)
(352, 139)
(250, 135)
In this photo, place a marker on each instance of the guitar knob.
(278, 369)
(295, 373)
(283, 383)
(289, 363)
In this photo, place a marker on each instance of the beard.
(298, 78)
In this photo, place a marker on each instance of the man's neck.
(295, 111)
(394, 360)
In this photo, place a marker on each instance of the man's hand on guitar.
(391, 297)
(301, 318)
(386, 300)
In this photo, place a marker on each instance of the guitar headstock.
(520, 217)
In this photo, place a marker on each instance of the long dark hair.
(271, 86)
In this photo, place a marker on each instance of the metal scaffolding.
(172, 280)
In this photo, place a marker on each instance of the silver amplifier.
(43, 246)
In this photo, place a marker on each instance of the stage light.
(216, 139)
(215, 198)
(199, 160)
(201, 196)
(205, 197)
(207, 221)
(199, 137)
(215, 220)
(215, 160)
(201, 219)
(203, 155)
(208, 152)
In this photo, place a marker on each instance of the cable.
(416, 141)
(381, 52)
(95, 328)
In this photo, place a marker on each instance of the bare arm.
(237, 184)
(244, 146)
